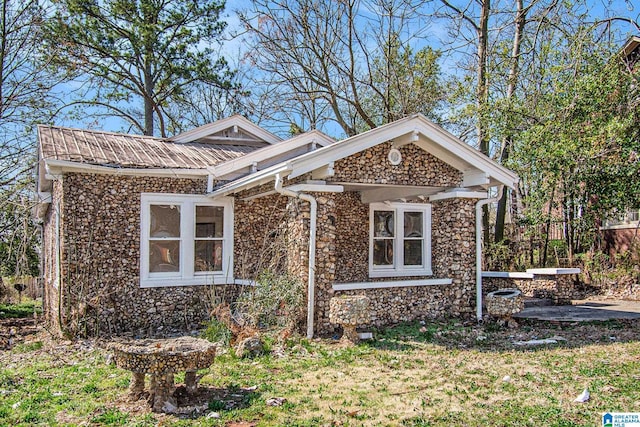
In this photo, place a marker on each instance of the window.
(630, 217)
(185, 240)
(400, 239)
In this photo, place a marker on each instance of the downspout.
(313, 214)
(479, 205)
(58, 275)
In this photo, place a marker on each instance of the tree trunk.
(546, 239)
(511, 88)
(148, 101)
(482, 96)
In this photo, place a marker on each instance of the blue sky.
(435, 34)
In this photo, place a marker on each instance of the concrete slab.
(584, 311)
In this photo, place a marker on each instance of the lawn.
(18, 311)
(433, 374)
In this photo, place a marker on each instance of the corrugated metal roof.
(131, 151)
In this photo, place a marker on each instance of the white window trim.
(398, 269)
(186, 276)
(390, 284)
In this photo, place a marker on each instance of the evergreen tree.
(148, 50)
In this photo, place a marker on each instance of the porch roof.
(479, 171)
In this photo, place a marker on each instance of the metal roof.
(133, 151)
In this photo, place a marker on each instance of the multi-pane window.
(164, 238)
(209, 238)
(185, 240)
(400, 243)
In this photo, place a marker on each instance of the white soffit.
(220, 125)
(276, 150)
(458, 194)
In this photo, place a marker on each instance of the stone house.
(140, 234)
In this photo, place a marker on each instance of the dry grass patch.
(436, 374)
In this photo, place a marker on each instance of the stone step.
(538, 302)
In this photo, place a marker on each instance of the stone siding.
(453, 253)
(101, 291)
(453, 256)
(418, 168)
(352, 238)
(259, 225)
(327, 261)
(51, 296)
(560, 288)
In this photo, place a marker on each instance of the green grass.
(436, 374)
(18, 311)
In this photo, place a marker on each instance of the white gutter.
(312, 248)
(53, 167)
(479, 206)
(261, 177)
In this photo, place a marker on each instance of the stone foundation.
(389, 306)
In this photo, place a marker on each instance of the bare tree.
(25, 99)
(25, 84)
(333, 58)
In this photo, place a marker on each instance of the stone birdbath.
(161, 359)
(349, 311)
(504, 303)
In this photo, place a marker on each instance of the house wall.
(51, 294)
(620, 240)
(452, 256)
(418, 167)
(101, 291)
(259, 231)
(343, 248)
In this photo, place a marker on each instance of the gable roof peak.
(234, 128)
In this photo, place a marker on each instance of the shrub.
(216, 331)
(277, 300)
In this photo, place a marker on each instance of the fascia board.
(266, 153)
(316, 188)
(458, 194)
(456, 152)
(56, 167)
(465, 152)
(253, 180)
(220, 125)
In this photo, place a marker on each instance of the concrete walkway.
(584, 311)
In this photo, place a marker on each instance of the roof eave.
(417, 123)
(55, 167)
(263, 154)
(632, 44)
(253, 180)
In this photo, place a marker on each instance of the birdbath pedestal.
(161, 359)
(349, 311)
(504, 303)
